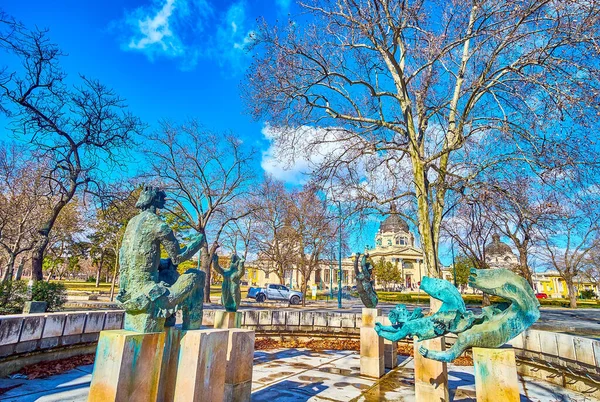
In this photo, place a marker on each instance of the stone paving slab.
(300, 375)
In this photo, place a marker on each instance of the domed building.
(499, 254)
(395, 242)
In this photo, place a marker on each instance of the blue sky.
(170, 59)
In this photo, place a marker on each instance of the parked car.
(541, 295)
(275, 292)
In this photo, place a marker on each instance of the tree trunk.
(524, 266)
(37, 259)
(205, 266)
(303, 290)
(114, 280)
(485, 301)
(20, 270)
(572, 290)
(99, 273)
(10, 266)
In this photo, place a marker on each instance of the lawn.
(416, 298)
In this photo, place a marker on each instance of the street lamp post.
(453, 264)
(331, 274)
(340, 257)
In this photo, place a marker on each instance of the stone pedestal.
(431, 376)
(127, 366)
(495, 375)
(238, 375)
(33, 307)
(227, 319)
(201, 365)
(372, 362)
(168, 375)
(390, 349)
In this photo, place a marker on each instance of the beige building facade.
(394, 242)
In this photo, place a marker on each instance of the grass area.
(415, 298)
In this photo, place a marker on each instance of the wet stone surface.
(300, 375)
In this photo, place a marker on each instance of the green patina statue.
(230, 293)
(364, 282)
(499, 326)
(492, 328)
(151, 290)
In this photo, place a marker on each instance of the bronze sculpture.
(151, 290)
(230, 289)
(364, 281)
(492, 328)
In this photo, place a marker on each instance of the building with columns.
(394, 242)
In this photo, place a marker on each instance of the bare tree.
(519, 209)
(20, 204)
(591, 265)
(313, 232)
(205, 173)
(273, 230)
(441, 91)
(569, 238)
(80, 130)
(471, 228)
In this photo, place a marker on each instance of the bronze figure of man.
(151, 290)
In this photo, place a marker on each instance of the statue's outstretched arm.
(391, 333)
(171, 245)
(446, 356)
(216, 266)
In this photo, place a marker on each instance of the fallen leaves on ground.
(404, 349)
(47, 369)
(313, 344)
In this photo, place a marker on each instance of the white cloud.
(284, 5)
(290, 166)
(188, 30)
(154, 33)
(232, 37)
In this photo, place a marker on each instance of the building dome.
(496, 247)
(393, 223)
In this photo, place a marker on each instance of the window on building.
(389, 242)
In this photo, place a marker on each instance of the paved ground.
(300, 375)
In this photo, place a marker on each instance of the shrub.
(53, 293)
(13, 295)
(588, 294)
(90, 279)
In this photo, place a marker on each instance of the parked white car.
(275, 292)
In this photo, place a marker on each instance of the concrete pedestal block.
(431, 376)
(372, 362)
(390, 354)
(240, 356)
(33, 307)
(127, 366)
(168, 375)
(201, 366)
(495, 375)
(227, 319)
(390, 349)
